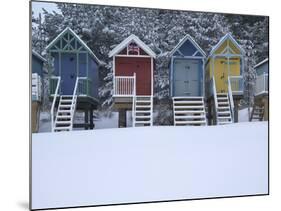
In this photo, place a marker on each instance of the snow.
(148, 164)
(243, 115)
(100, 123)
(37, 7)
(45, 122)
(107, 122)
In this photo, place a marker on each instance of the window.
(133, 49)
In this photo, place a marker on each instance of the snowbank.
(148, 164)
(243, 115)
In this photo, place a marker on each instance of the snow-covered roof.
(225, 37)
(182, 41)
(261, 63)
(129, 39)
(38, 56)
(68, 29)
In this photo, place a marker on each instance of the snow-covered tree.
(103, 27)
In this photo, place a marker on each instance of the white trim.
(152, 79)
(172, 78)
(139, 56)
(68, 29)
(113, 73)
(129, 39)
(195, 53)
(188, 57)
(203, 82)
(227, 36)
(180, 43)
(38, 56)
(114, 95)
(227, 55)
(261, 63)
(261, 93)
(178, 50)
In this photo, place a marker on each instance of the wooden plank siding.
(127, 66)
(187, 78)
(225, 61)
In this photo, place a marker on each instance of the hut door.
(68, 74)
(221, 75)
(193, 77)
(186, 78)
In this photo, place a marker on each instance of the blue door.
(68, 73)
(186, 78)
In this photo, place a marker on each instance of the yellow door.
(221, 75)
(223, 69)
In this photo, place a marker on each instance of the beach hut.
(187, 82)
(260, 107)
(133, 66)
(36, 88)
(224, 81)
(74, 81)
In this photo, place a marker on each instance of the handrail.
(54, 100)
(36, 85)
(215, 96)
(84, 86)
(74, 97)
(261, 86)
(124, 76)
(230, 98)
(124, 86)
(236, 84)
(151, 109)
(134, 99)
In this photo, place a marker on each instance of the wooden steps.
(257, 113)
(65, 113)
(142, 110)
(189, 111)
(223, 111)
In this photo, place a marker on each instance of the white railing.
(54, 100)
(124, 86)
(237, 84)
(151, 110)
(36, 87)
(134, 100)
(230, 96)
(261, 84)
(74, 98)
(213, 83)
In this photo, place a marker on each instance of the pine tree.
(103, 27)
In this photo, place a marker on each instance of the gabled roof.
(225, 37)
(129, 39)
(183, 40)
(37, 55)
(68, 29)
(261, 63)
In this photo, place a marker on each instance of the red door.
(127, 66)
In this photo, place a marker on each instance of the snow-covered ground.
(100, 123)
(243, 115)
(110, 121)
(148, 164)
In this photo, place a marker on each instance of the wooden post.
(213, 110)
(122, 120)
(236, 109)
(35, 114)
(266, 109)
(91, 118)
(86, 118)
(209, 104)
